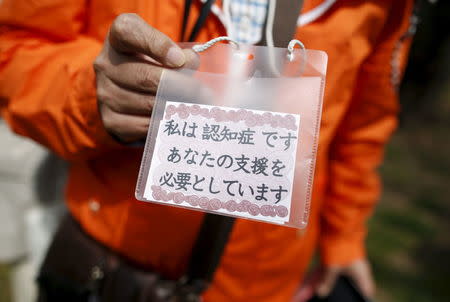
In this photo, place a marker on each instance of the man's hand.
(322, 280)
(128, 71)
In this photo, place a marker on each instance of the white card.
(224, 160)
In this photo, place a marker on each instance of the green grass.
(5, 291)
(408, 240)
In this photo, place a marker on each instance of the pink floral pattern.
(250, 118)
(215, 204)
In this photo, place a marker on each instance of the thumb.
(327, 282)
(361, 274)
(308, 288)
(192, 59)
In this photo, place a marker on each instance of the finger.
(192, 59)
(130, 72)
(127, 128)
(122, 100)
(327, 282)
(134, 72)
(303, 295)
(361, 274)
(308, 288)
(130, 34)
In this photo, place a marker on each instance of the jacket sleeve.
(47, 82)
(357, 149)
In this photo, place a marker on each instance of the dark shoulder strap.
(187, 10)
(285, 23)
(208, 249)
(204, 13)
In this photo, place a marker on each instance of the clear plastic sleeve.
(238, 134)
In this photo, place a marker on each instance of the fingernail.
(175, 57)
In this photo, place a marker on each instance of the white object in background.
(40, 224)
(23, 282)
(19, 160)
(31, 203)
(12, 244)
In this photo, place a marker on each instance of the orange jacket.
(47, 93)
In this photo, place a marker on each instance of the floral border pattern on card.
(215, 204)
(250, 118)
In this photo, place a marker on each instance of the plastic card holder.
(237, 135)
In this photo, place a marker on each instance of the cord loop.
(290, 49)
(210, 43)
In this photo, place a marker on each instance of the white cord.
(291, 46)
(227, 16)
(268, 33)
(290, 55)
(210, 43)
(270, 20)
(315, 13)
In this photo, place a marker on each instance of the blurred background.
(408, 244)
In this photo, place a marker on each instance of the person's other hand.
(322, 280)
(128, 71)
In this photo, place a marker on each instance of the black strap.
(204, 12)
(187, 10)
(208, 249)
(285, 23)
